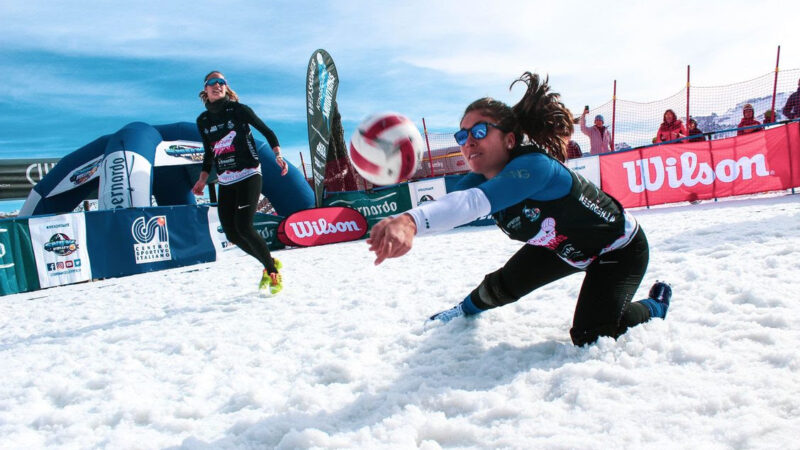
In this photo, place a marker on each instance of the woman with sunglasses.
(229, 144)
(568, 225)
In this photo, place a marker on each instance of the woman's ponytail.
(542, 117)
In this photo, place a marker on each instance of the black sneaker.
(658, 301)
(661, 292)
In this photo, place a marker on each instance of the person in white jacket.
(599, 136)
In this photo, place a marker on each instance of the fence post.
(688, 67)
(428, 144)
(775, 86)
(613, 115)
(303, 165)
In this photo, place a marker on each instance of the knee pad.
(492, 292)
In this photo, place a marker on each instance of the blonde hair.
(230, 93)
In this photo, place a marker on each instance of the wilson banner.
(747, 164)
(319, 226)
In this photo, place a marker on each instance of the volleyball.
(386, 148)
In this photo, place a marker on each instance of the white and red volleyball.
(386, 148)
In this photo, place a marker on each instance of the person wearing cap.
(792, 108)
(671, 128)
(748, 121)
(599, 136)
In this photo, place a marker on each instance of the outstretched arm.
(393, 237)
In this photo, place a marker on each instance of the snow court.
(338, 359)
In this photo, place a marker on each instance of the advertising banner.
(222, 245)
(19, 176)
(319, 226)
(178, 153)
(17, 262)
(374, 206)
(78, 176)
(267, 227)
(588, 167)
(148, 239)
(61, 250)
(125, 180)
(426, 190)
(322, 83)
(752, 163)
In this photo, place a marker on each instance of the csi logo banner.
(319, 226)
(152, 240)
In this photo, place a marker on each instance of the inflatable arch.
(141, 161)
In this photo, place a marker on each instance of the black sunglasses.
(478, 131)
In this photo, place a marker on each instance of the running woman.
(567, 223)
(229, 144)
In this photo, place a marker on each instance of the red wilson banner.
(318, 226)
(758, 162)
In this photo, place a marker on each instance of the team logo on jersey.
(225, 145)
(547, 236)
(514, 224)
(531, 214)
(152, 240)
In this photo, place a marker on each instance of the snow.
(192, 358)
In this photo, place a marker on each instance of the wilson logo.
(322, 226)
(689, 171)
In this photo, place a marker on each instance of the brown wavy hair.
(539, 115)
(230, 93)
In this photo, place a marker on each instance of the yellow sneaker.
(278, 263)
(271, 284)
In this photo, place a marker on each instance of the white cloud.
(470, 47)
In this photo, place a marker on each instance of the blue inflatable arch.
(142, 161)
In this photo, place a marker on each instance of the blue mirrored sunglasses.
(478, 131)
(214, 81)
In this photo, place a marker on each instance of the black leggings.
(237, 207)
(604, 304)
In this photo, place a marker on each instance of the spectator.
(792, 108)
(748, 121)
(696, 132)
(573, 150)
(672, 128)
(769, 116)
(599, 136)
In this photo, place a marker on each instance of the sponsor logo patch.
(152, 240)
(320, 226)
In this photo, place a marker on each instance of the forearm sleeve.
(450, 211)
(208, 152)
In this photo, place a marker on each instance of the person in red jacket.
(672, 128)
(748, 121)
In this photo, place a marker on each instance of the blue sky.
(74, 71)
